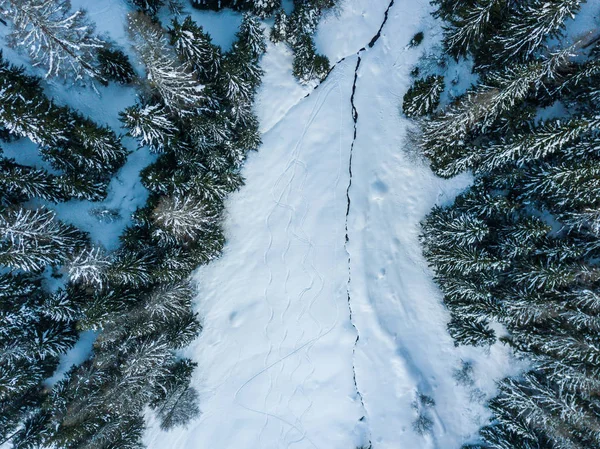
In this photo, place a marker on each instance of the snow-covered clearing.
(280, 364)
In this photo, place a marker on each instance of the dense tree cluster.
(297, 31)
(61, 40)
(520, 247)
(260, 8)
(86, 153)
(39, 323)
(195, 112)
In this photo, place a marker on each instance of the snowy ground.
(279, 361)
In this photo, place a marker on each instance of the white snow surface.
(280, 365)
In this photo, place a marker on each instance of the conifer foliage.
(520, 247)
(86, 153)
(297, 31)
(259, 8)
(60, 40)
(195, 112)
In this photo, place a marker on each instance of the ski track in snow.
(322, 321)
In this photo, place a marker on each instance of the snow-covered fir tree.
(59, 39)
(532, 23)
(260, 8)
(297, 30)
(114, 65)
(195, 47)
(151, 125)
(423, 96)
(31, 239)
(87, 153)
(279, 31)
(173, 82)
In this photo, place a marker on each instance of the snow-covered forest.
(341, 224)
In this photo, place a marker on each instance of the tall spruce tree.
(60, 40)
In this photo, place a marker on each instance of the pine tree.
(25, 111)
(533, 23)
(151, 125)
(260, 8)
(470, 23)
(308, 65)
(32, 239)
(56, 38)
(20, 183)
(519, 248)
(279, 31)
(88, 153)
(30, 344)
(471, 332)
(170, 80)
(150, 7)
(250, 37)
(195, 47)
(176, 402)
(423, 96)
(114, 65)
(183, 220)
(265, 8)
(88, 268)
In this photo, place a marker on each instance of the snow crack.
(355, 119)
(372, 42)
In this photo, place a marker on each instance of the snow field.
(404, 348)
(275, 354)
(276, 357)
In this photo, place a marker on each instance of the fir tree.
(20, 183)
(170, 80)
(151, 125)
(114, 65)
(423, 96)
(55, 37)
(150, 7)
(32, 239)
(308, 65)
(176, 402)
(532, 23)
(182, 219)
(195, 47)
(519, 248)
(279, 30)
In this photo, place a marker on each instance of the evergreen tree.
(195, 47)
(20, 183)
(520, 247)
(151, 125)
(170, 80)
(308, 65)
(532, 23)
(88, 153)
(32, 239)
(423, 96)
(114, 65)
(182, 219)
(30, 344)
(150, 7)
(279, 30)
(260, 8)
(469, 23)
(55, 37)
(176, 402)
